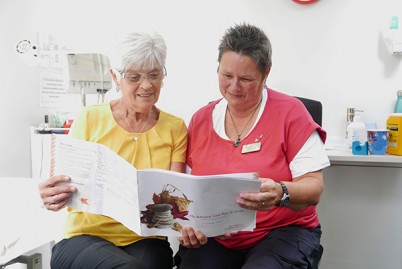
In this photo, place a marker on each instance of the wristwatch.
(285, 197)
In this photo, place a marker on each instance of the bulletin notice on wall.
(52, 89)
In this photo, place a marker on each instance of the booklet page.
(151, 201)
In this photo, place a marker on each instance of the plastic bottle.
(357, 136)
(398, 104)
(394, 126)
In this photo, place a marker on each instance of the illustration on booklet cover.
(162, 214)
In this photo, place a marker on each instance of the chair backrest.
(314, 107)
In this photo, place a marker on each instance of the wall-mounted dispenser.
(393, 37)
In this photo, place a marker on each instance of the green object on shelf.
(394, 23)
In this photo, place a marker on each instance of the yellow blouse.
(165, 143)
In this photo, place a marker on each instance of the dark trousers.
(90, 252)
(287, 247)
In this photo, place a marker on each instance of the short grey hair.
(248, 40)
(141, 51)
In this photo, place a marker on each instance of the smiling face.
(240, 80)
(140, 88)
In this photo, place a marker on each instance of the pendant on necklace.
(237, 142)
(135, 138)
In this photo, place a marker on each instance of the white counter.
(345, 158)
(360, 212)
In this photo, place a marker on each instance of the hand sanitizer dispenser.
(393, 37)
(357, 136)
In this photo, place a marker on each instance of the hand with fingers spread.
(55, 192)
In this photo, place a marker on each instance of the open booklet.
(151, 201)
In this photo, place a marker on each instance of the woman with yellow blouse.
(146, 137)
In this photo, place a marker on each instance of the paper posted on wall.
(151, 201)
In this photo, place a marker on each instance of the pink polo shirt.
(283, 128)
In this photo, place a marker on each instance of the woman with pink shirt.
(256, 129)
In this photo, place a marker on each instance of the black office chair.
(314, 108)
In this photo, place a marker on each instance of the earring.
(162, 85)
(117, 88)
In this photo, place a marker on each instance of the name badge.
(251, 147)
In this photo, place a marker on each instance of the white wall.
(331, 51)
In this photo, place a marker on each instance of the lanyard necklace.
(237, 141)
(128, 124)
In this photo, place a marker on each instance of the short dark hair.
(249, 40)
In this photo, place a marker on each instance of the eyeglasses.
(138, 78)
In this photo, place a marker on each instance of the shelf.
(345, 158)
(50, 130)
